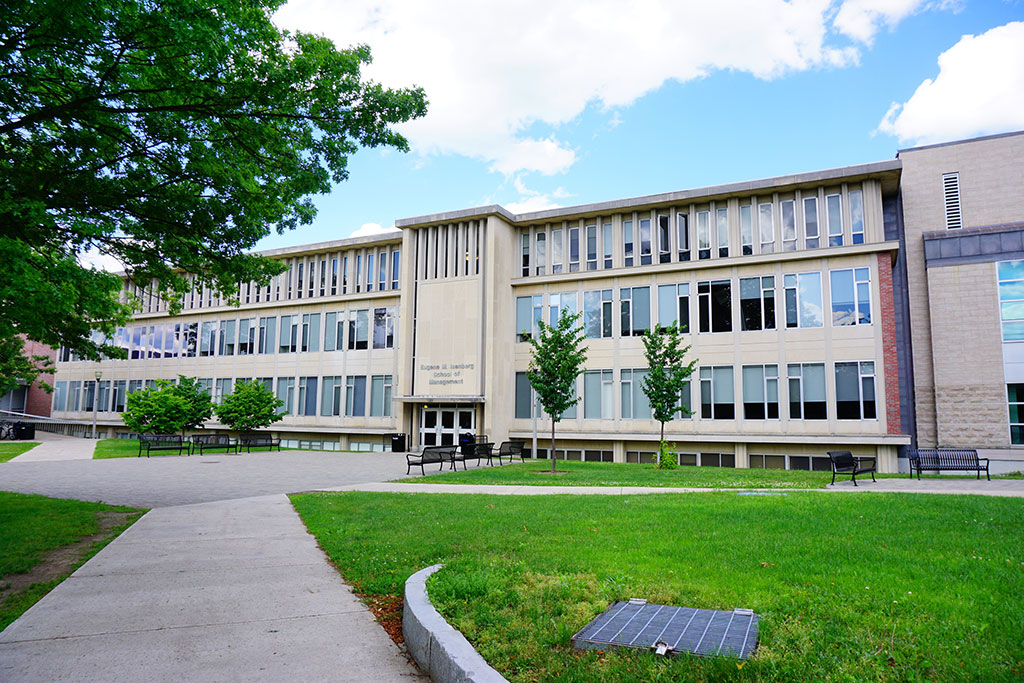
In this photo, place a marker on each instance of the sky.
(537, 104)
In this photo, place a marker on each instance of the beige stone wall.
(967, 356)
(449, 324)
(991, 176)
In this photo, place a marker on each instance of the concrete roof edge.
(960, 142)
(459, 215)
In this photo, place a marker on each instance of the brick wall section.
(887, 316)
(38, 401)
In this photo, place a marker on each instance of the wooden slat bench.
(161, 442)
(947, 459)
(844, 462)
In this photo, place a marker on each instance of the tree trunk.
(552, 454)
(661, 441)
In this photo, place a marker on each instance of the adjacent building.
(827, 310)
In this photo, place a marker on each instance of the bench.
(212, 442)
(844, 462)
(161, 442)
(510, 449)
(942, 459)
(250, 440)
(429, 456)
(478, 451)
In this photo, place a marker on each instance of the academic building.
(868, 308)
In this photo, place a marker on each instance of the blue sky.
(534, 105)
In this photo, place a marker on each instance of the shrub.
(250, 406)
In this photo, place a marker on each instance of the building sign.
(446, 374)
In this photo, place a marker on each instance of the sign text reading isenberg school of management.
(446, 373)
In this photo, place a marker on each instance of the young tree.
(250, 406)
(170, 136)
(155, 410)
(198, 404)
(667, 374)
(557, 360)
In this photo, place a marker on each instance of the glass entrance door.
(441, 425)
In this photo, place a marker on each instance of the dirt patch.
(62, 561)
(388, 611)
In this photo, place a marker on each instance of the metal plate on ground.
(671, 630)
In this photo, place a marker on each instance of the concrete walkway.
(58, 447)
(225, 591)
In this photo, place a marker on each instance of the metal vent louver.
(667, 629)
(951, 196)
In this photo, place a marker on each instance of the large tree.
(168, 135)
(558, 355)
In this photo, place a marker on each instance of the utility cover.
(667, 629)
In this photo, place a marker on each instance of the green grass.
(31, 526)
(849, 588)
(13, 450)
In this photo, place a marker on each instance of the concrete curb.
(439, 649)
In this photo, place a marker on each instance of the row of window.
(849, 291)
(780, 462)
(338, 396)
(249, 336)
(329, 274)
(445, 251)
(764, 228)
(806, 393)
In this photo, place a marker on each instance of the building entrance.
(441, 425)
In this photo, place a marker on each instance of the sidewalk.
(58, 447)
(230, 590)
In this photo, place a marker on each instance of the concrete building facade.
(810, 302)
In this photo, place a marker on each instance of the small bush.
(668, 459)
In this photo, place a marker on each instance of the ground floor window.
(790, 462)
(1015, 398)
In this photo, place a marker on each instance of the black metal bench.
(251, 440)
(844, 462)
(945, 459)
(161, 442)
(479, 451)
(213, 442)
(510, 450)
(429, 456)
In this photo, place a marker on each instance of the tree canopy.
(250, 406)
(158, 409)
(667, 374)
(168, 135)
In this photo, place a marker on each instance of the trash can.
(398, 443)
(24, 431)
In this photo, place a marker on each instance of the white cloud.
(92, 258)
(499, 76)
(540, 202)
(368, 229)
(979, 90)
(862, 19)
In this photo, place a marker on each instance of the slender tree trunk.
(552, 445)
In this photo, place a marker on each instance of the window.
(529, 310)
(334, 276)
(811, 234)
(286, 392)
(746, 229)
(103, 396)
(289, 334)
(119, 395)
(344, 274)
(1011, 299)
(664, 239)
(635, 405)
(766, 227)
(597, 313)
(525, 256)
(761, 392)
(359, 330)
(380, 396)
(559, 305)
(716, 393)
(591, 236)
(674, 306)
(757, 303)
(246, 336)
(299, 283)
(206, 339)
(310, 332)
(369, 266)
(683, 236)
(851, 297)
(357, 280)
(88, 394)
(855, 391)
(857, 216)
(60, 396)
(606, 244)
(703, 235)
(803, 300)
(722, 232)
(136, 385)
(685, 402)
(331, 402)
(574, 250)
(323, 277)
(1015, 399)
(556, 251)
(787, 209)
(524, 397)
(382, 271)
(542, 252)
(834, 216)
(355, 396)
(307, 395)
(951, 198)
(74, 395)
(384, 328)
(227, 338)
(334, 331)
(394, 269)
(714, 299)
(265, 339)
(222, 388)
(598, 394)
(627, 242)
(645, 241)
(636, 310)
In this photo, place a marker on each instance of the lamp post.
(96, 401)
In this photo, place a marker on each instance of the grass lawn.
(43, 540)
(15, 448)
(849, 588)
